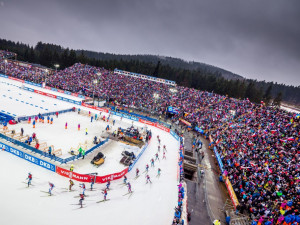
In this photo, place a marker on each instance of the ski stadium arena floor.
(149, 204)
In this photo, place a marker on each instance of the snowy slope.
(150, 204)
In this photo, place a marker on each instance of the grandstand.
(257, 146)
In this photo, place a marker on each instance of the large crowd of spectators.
(259, 145)
(6, 54)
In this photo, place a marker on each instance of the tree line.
(203, 79)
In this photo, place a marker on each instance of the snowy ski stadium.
(154, 153)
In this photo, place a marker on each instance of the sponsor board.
(39, 162)
(74, 94)
(162, 127)
(147, 122)
(87, 178)
(2, 75)
(219, 159)
(174, 135)
(138, 157)
(185, 122)
(28, 157)
(28, 89)
(114, 176)
(199, 130)
(16, 79)
(72, 175)
(231, 193)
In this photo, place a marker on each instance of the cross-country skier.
(137, 172)
(105, 194)
(164, 148)
(152, 162)
(86, 131)
(164, 156)
(81, 200)
(158, 172)
(125, 179)
(83, 188)
(156, 157)
(78, 127)
(158, 148)
(148, 179)
(51, 121)
(129, 187)
(66, 125)
(147, 168)
(51, 188)
(92, 182)
(48, 119)
(71, 185)
(92, 119)
(72, 168)
(107, 185)
(29, 179)
(159, 141)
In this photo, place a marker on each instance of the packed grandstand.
(259, 145)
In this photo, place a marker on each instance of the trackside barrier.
(138, 157)
(94, 107)
(2, 75)
(230, 190)
(34, 84)
(22, 118)
(30, 148)
(45, 154)
(219, 159)
(57, 97)
(28, 157)
(87, 178)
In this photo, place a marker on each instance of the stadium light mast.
(46, 75)
(5, 62)
(56, 66)
(95, 83)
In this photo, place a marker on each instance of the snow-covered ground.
(13, 97)
(150, 203)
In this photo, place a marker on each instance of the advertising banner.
(28, 157)
(73, 175)
(174, 135)
(146, 122)
(162, 127)
(39, 162)
(114, 176)
(186, 122)
(16, 79)
(199, 130)
(231, 193)
(101, 109)
(138, 157)
(171, 109)
(219, 159)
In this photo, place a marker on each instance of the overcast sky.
(257, 39)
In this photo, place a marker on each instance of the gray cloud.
(258, 39)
